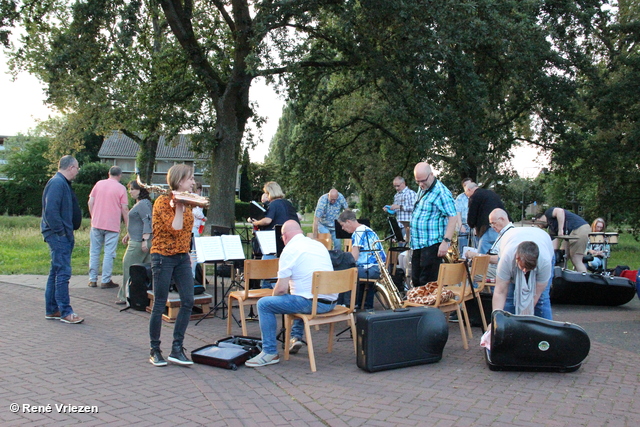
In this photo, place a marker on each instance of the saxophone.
(388, 290)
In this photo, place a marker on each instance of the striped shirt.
(431, 215)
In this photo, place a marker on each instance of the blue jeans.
(56, 294)
(164, 268)
(487, 240)
(542, 308)
(268, 307)
(99, 238)
(332, 231)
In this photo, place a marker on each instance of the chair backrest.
(259, 269)
(479, 269)
(450, 275)
(324, 238)
(334, 282)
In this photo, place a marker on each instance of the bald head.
(423, 175)
(289, 229)
(333, 196)
(498, 219)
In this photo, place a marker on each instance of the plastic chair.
(326, 282)
(453, 277)
(253, 269)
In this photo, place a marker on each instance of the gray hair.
(66, 162)
(115, 171)
(347, 215)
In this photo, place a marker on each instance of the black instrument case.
(228, 353)
(531, 343)
(402, 337)
(572, 287)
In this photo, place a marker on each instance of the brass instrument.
(184, 197)
(388, 290)
(453, 254)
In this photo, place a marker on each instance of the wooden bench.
(200, 306)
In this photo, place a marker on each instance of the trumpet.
(185, 197)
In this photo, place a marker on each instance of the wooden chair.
(453, 277)
(479, 269)
(324, 238)
(326, 282)
(253, 269)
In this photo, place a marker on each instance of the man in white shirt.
(292, 293)
(524, 272)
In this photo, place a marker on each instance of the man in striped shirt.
(432, 225)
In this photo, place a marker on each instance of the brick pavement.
(103, 362)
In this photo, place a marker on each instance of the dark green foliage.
(245, 183)
(91, 173)
(241, 211)
(20, 198)
(26, 162)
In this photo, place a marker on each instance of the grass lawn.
(22, 250)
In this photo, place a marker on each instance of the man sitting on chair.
(363, 243)
(292, 293)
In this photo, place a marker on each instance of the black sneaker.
(156, 358)
(179, 358)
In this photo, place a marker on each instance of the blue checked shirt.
(430, 216)
(367, 240)
(328, 213)
(462, 206)
(406, 198)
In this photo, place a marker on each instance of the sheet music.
(209, 249)
(267, 241)
(232, 246)
(257, 205)
(219, 248)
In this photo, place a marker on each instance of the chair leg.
(229, 316)
(331, 330)
(312, 357)
(484, 320)
(352, 323)
(465, 345)
(288, 323)
(466, 319)
(242, 318)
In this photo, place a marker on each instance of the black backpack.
(139, 283)
(341, 260)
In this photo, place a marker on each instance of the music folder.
(256, 211)
(270, 241)
(219, 248)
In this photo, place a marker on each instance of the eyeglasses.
(420, 181)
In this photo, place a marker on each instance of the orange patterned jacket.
(166, 240)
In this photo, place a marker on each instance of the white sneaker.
(262, 359)
(295, 345)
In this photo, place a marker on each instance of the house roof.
(118, 145)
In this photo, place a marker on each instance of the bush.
(91, 173)
(242, 211)
(21, 198)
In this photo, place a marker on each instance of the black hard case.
(572, 287)
(531, 343)
(140, 277)
(399, 338)
(228, 353)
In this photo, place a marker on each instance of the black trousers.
(425, 265)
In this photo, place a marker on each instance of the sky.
(22, 107)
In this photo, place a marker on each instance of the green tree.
(246, 193)
(26, 162)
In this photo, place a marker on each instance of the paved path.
(102, 363)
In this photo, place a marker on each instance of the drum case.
(399, 338)
(530, 343)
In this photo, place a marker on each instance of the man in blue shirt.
(327, 210)
(432, 225)
(364, 242)
(60, 217)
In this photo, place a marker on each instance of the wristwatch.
(447, 240)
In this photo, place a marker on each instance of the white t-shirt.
(507, 267)
(299, 259)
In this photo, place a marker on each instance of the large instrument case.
(572, 287)
(530, 343)
(228, 353)
(402, 337)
